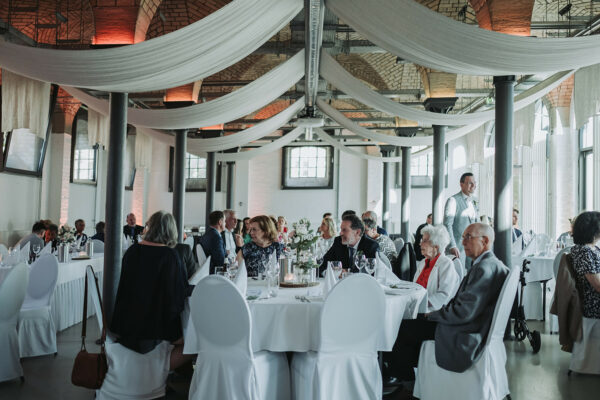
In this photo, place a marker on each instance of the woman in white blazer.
(436, 272)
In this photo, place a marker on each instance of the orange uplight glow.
(181, 93)
(213, 128)
(114, 25)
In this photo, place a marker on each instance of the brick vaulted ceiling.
(79, 24)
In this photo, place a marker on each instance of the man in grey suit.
(460, 328)
(461, 211)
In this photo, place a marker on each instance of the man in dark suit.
(212, 242)
(131, 230)
(516, 232)
(350, 241)
(461, 327)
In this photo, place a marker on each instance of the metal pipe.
(405, 207)
(179, 180)
(437, 190)
(115, 187)
(211, 183)
(503, 189)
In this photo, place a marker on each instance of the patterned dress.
(387, 247)
(586, 260)
(256, 256)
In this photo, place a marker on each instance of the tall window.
(84, 153)
(586, 169)
(195, 173)
(307, 167)
(421, 168)
(195, 167)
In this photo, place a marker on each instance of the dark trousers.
(405, 354)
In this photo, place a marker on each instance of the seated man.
(80, 237)
(212, 242)
(460, 328)
(373, 216)
(131, 230)
(51, 236)
(99, 231)
(35, 237)
(350, 241)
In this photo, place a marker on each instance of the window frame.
(330, 154)
(584, 152)
(420, 181)
(218, 173)
(92, 182)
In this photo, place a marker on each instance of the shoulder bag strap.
(84, 320)
(103, 336)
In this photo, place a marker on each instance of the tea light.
(289, 277)
(82, 254)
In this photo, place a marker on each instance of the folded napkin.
(200, 273)
(25, 250)
(388, 275)
(47, 249)
(241, 280)
(329, 282)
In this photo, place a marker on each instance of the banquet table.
(67, 302)
(284, 323)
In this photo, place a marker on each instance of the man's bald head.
(477, 239)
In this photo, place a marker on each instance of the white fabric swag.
(177, 58)
(25, 104)
(199, 147)
(232, 106)
(586, 94)
(335, 74)
(143, 150)
(333, 142)
(98, 128)
(425, 37)
(264, 149)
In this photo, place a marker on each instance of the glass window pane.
(589, 181)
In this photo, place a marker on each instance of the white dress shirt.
(442, 284)
(229, 241)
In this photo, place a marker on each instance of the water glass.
(220, 271)
(370, 265)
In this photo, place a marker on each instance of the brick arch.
(274, 108)
(362, 70)
(561, 95)
(145, 15)
(512, 17)
(343, 104)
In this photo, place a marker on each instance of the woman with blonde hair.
(264, 242)
(328, 233)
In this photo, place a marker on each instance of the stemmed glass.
(369, 265)
(232, 269)
(336, 266)
(36, 248)
(359, 261)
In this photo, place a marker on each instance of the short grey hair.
(484, 230)
(371, 214)
(162, 229)
(438, 236)
(370, 223)
(228, 212)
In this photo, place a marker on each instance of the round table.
(284, 323)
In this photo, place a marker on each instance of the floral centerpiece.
(66, 234)
(303, 240)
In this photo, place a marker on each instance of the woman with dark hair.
(151, 293)
(264, 243)
(586, 261)
(246, 230)
(238, 235)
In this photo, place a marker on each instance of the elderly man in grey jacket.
(460, 328)
(461, 211)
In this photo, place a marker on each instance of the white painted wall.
(20, 206)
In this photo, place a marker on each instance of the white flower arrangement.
(66, 234)
(303, 240)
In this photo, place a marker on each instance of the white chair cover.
(585, 358)
(226, 368)
(241, 279)
(200, 273)
(37, 333)
(47, 249)
(345, 367)
(98, 246)
(12, 294)
(3, 250)
(486, 379)
(200, 254)
(460, 269)
(399, 243)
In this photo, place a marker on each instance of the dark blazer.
(464, 323)
(339, 252)
(137, 231)
(213, 246)
(381, 231)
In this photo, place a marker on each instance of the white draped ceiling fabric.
(25, 104)
(177, 58)
(586, 94)
(425, 37)
(264, 149)
(234, 105)
(335, 74)
(328, 139)
(98, 128)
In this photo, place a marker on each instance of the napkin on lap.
(330, 280)
(241, 280)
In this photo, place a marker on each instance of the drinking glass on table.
(36, 248)
(220, 271)
(369, 265)
(336, 266)
(272, 273)
(232, 269)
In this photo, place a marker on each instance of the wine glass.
(232, 270)
(336, 266)
(370, 264)
(36, 248)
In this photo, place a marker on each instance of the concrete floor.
(541, 377)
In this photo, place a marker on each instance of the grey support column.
(386, 151)
(211, 182)
(230, 177)
(503, 190)
(113, 237)
(179, 180)
(405, 210)
(442, 106)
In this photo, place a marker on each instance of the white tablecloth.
(67, 302)
(284, 323)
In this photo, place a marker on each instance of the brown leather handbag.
(90, 369)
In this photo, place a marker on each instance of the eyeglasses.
(469, 237)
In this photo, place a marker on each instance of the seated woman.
(151, 292)
(328, 233)
(264, 242)
(386, 245)
(436, 272)
(282, 230)
(586, 261)
(246, 230)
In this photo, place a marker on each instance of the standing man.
(461, 211)
(132, 230)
